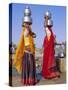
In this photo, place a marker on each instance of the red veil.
(49, 69)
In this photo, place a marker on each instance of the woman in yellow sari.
(25, 56)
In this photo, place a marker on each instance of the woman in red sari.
(49, 69)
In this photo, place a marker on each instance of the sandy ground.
(16, 80)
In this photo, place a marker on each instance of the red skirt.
(49, 68)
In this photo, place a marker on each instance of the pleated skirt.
(28, 69)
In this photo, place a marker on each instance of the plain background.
(4, 44)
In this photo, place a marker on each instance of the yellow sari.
(20, 51)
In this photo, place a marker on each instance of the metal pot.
(27, 11)
(49, 23)
(48, 15)
(62, 54)
(27, 19)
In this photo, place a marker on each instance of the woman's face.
(27, 25)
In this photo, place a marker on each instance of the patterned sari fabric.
(49, 69)
(24, 62)
(28, 69)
